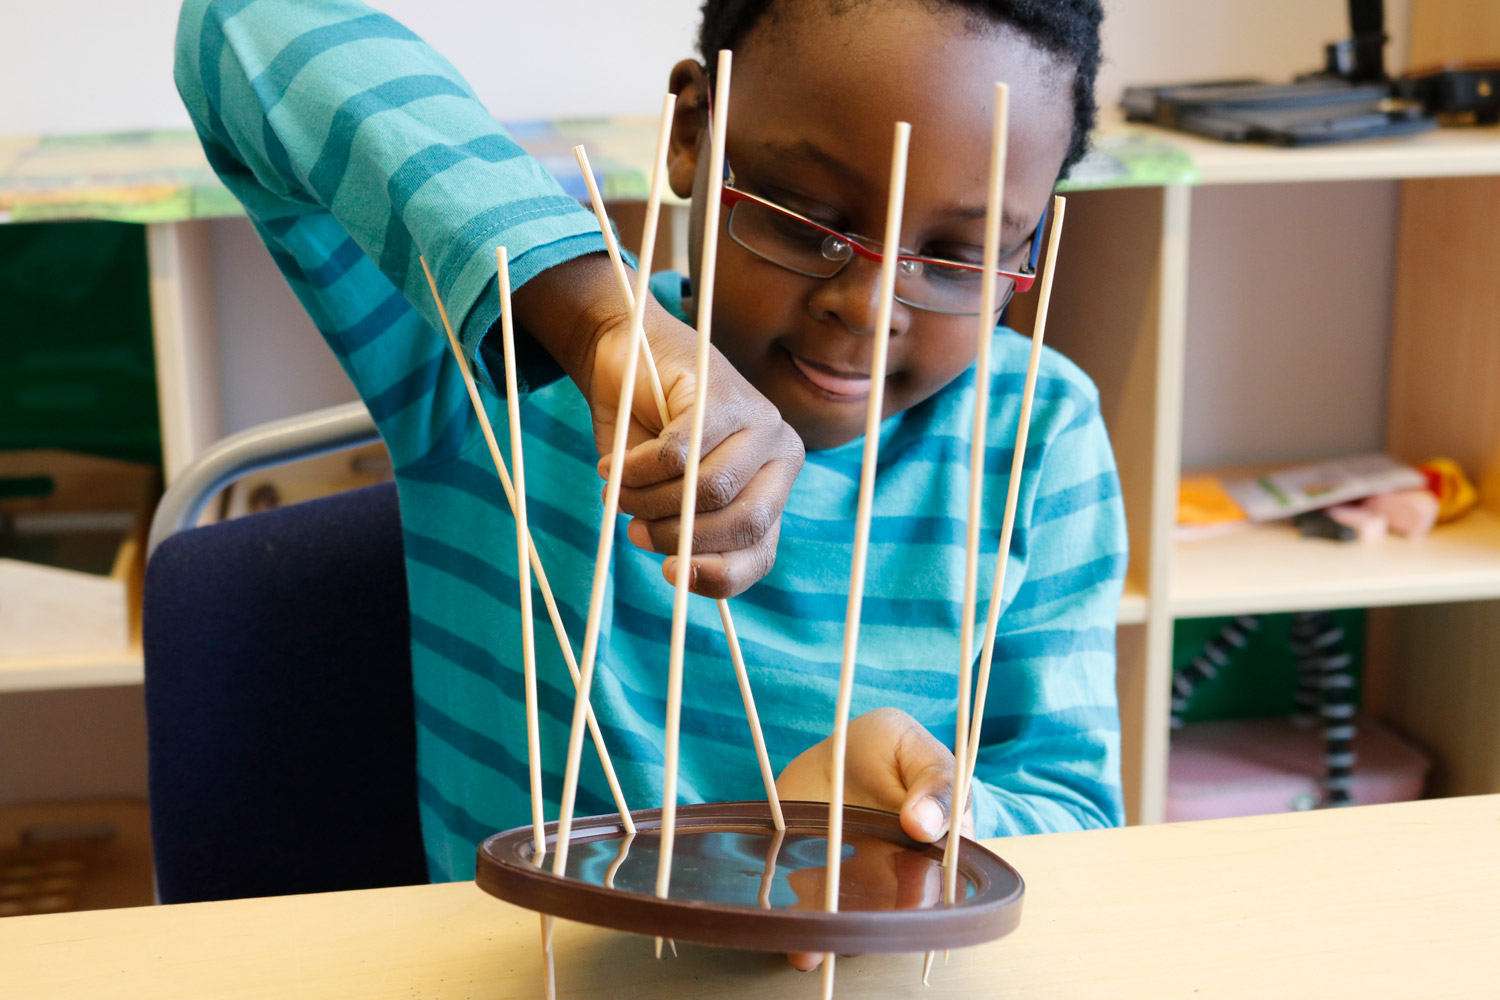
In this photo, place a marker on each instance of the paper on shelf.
(1288, 492)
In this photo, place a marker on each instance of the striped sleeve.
(1049, 755)
(355, 148)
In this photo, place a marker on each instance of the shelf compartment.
(1271, 568)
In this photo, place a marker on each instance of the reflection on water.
(767, 869)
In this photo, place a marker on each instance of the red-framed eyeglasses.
(793, 241)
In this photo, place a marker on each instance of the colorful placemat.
(163, 176)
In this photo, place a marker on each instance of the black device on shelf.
(1456, 90)
(1349, 98)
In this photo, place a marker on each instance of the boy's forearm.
(567, 307)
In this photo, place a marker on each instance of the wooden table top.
(1399, 901)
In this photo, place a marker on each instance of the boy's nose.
(852, 297)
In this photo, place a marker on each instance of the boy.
(355, 148)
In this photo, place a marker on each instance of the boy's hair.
(1068, 29)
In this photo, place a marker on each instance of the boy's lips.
(835, 383)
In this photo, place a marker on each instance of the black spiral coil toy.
(1325, 694)
(1325, 688)
(1206, 664)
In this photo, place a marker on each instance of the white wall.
(1165, 41)
(98, 65)
(1289, 321)
(103, 66)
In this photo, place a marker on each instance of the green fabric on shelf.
(76, 365)
(1261, 679)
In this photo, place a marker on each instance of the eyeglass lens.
(790, 242)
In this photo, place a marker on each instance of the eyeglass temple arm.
(1036, 241)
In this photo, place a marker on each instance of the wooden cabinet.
(1120, 310)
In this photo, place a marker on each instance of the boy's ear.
(689, 120)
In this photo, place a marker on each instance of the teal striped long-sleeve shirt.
(354, 148)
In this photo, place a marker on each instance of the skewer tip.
(828, 961)
(927, 967)
(658, 949)
(549, 971)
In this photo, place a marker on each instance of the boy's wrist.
(568, 308)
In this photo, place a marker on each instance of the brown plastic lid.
(737, 883)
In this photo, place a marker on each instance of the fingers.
(926, 769)
(805, 961)
(728, 574)
(743, 486)
(749, 461)
(723, 475)
(722, 523)
(662, 458)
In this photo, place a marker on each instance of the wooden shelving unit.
(1120, 312)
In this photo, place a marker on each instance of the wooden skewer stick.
(863, 515)
(563, 641)
(549, 968)
(612, 497)
(768, 875)
(977, 444)
(689, 509)
(523, 565)
(621, 274)
(620, 855)
(997, 593)
(1002, 557)
(731, 636)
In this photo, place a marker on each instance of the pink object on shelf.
(1369, 525)
(1250, 767)
(1411, 513)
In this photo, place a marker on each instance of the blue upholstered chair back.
(279, 704)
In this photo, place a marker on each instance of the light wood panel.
(1142, 776)
(1119, 312)
(1107, 314)
(1445, 351)
(1377, 902)
(1272, 568)
(185, 331)
(1454, 31)
(1434, 673)
(51, 673)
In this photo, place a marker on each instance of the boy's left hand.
(892, 763)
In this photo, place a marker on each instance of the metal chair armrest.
(302, 436)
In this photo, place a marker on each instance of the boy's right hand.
(750, 458)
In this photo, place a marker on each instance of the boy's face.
(814, 100)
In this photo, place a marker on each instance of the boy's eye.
(951, 275)
(959, 253)
(794, 230)
(809, 208)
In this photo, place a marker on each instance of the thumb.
(926, 769)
